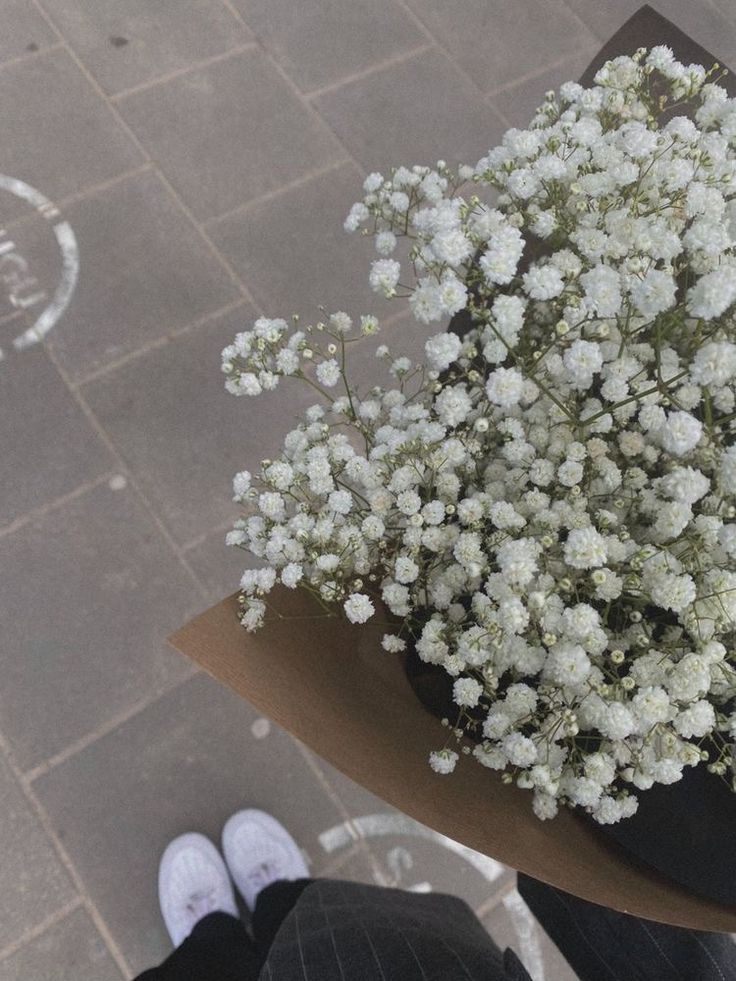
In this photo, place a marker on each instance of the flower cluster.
(546, 506)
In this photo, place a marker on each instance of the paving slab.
(218, 566)
(33, 882)
(320, 42)
(186, 763)
(518, 103)
(380, 121)
(144, 272)
(294, 254)
(125, 45)
(229, 132)
(24, 30)
(186, 460)
(71, 950)
(498, 42)
(51, 448)
(58, 134)
(355, 864)
(91, 592)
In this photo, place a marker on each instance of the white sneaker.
(192, 882)
(258, 851)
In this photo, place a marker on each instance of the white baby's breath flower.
(466, 692)
(393, 644)
(505, 387)
(585, 548)
(241, 484)
(444, 761)
(358, 608)
(442, 349)
(292, 574)
(384, 276)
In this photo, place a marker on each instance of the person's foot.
(192, 882)
(258, 851)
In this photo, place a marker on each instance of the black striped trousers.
(329, 930)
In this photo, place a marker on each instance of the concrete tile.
(700, 19)
(379, 120)
(127, 45)
(294, 255)
(500, 41)
(726, 8)
(318, 42)
(185, 460)
(24, 29)
(519, 102)
(408, 854)
(144, 271)
(355, 864)
(229, 132)
(184, 764)
(218, 566)
(58, 134)
(90, 592)
(50, 448)
(33, 882)
(511, 924)
(71, 950)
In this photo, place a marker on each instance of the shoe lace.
(263, 875)
(202, 902)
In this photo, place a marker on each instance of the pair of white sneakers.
(193, 879)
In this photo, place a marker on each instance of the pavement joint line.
(291, 84)
(50, 506)
(490, 904)
(228, 5)
(536, 73)
(221, 528)
(726, 13)
(83, 193)
(155, 344)
(50, 921)
(504, 119)
(581, 23)
(356, 850)
(278, 191)
(223, 261)
(440, 45)
(65, 859)
(142, 149)
(108, 726)
(313, 764)
(418, 21)
(31, 55)
(178, 72)
(379, 66)
(128, 473)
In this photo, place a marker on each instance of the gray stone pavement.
(194, 160)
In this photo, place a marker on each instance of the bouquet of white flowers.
(546, 505)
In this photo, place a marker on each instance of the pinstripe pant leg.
(603, 945)
(345, 931)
